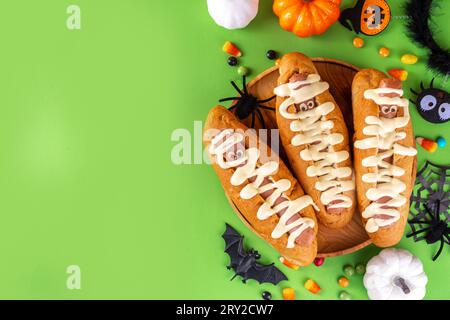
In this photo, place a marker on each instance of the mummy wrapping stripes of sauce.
(384, 136)
(312, 127)
(230, 152)
(369, 17)
(433, 104)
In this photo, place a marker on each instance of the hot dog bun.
(364, 80)
(291, 65)
(220, 119)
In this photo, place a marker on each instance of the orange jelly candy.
(288, 294)
(312, 286)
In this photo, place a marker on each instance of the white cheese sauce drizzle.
(246, 167)
(384, 137)
(313, 127)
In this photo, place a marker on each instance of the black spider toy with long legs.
(247, 105)
(430, 204)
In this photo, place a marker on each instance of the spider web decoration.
(430, 201)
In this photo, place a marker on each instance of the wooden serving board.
(332, 242)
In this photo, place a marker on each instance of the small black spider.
(437, 229)
(247, 104)
(433, 104)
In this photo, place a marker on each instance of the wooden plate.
(332, 242)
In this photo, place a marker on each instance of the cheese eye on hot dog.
(268, 197)
(315, 138)
(384, 155)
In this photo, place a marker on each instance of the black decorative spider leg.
(237, 88)
(244, 84)
(421, 86)
(431, 84)
(412, 234)
(414, 91)
(261, 118)
(267, 100)
(438, 253)
(266, 108)
(253, 119)
(230, 99)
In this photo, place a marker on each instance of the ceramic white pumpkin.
(233, 14)
(395, 274)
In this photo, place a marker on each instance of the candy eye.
(444, 111)
(303, 107)
(393, 109)
(310, 104)
(385, 109)
(428, 102)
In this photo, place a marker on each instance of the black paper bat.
(245, 263)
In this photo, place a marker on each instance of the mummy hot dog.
(265, 193)
(315, 138)
(384, 155)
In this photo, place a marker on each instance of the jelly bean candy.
(243, 71)
(343, 282)
(288, 294)
(360, 269)
(266, 295)
(319, 261)
(289, 264)
(384, 52)
(409, 59)
(231, 49)
(312, 286)
(358, 42)
(441, 142)
(399, 74)
(349, 270)
(344, 295)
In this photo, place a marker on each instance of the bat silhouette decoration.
(244, 263)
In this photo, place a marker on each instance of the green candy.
(344, 295)
(243, 71)
(349, 270)
(360, 268)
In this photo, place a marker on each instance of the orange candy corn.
(289, 264)
(399, 74)
(427, 144)
(230, 48)
(288, 294)
(312, 286)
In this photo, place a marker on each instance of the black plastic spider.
(430, 204)
(247, 104)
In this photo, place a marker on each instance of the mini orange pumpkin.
(307, 17)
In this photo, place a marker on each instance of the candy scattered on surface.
(384, 52)
(319, 261)
(289, 264)
(288, 294)
(344, 295)
(343, 282)
(271, 55)
(409, 59)
(360, 268)
(441, 142)
(312, 286)
(399, 74)
(427, 144)
(231, 49)
(349, 270)
(358, 42)
(232, 61)
(266, 295)
(243, 71)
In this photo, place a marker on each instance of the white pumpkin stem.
(401, 283)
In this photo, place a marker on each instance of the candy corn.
(230, 48)
(399, 74)
(312, 286)
(288, 294)
(289, 264)
(427, 144)
(409, 59)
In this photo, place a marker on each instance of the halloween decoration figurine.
(247, 105)
(395, 274)
(419, 30)
(430, 206)
(433, 104)
(369, 17)
(245, 264)
(233, 14)
(306, 18)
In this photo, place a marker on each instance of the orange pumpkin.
(307, 17)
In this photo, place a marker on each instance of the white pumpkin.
(233, 14)
(395, 274)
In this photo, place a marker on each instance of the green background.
(86, 176)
